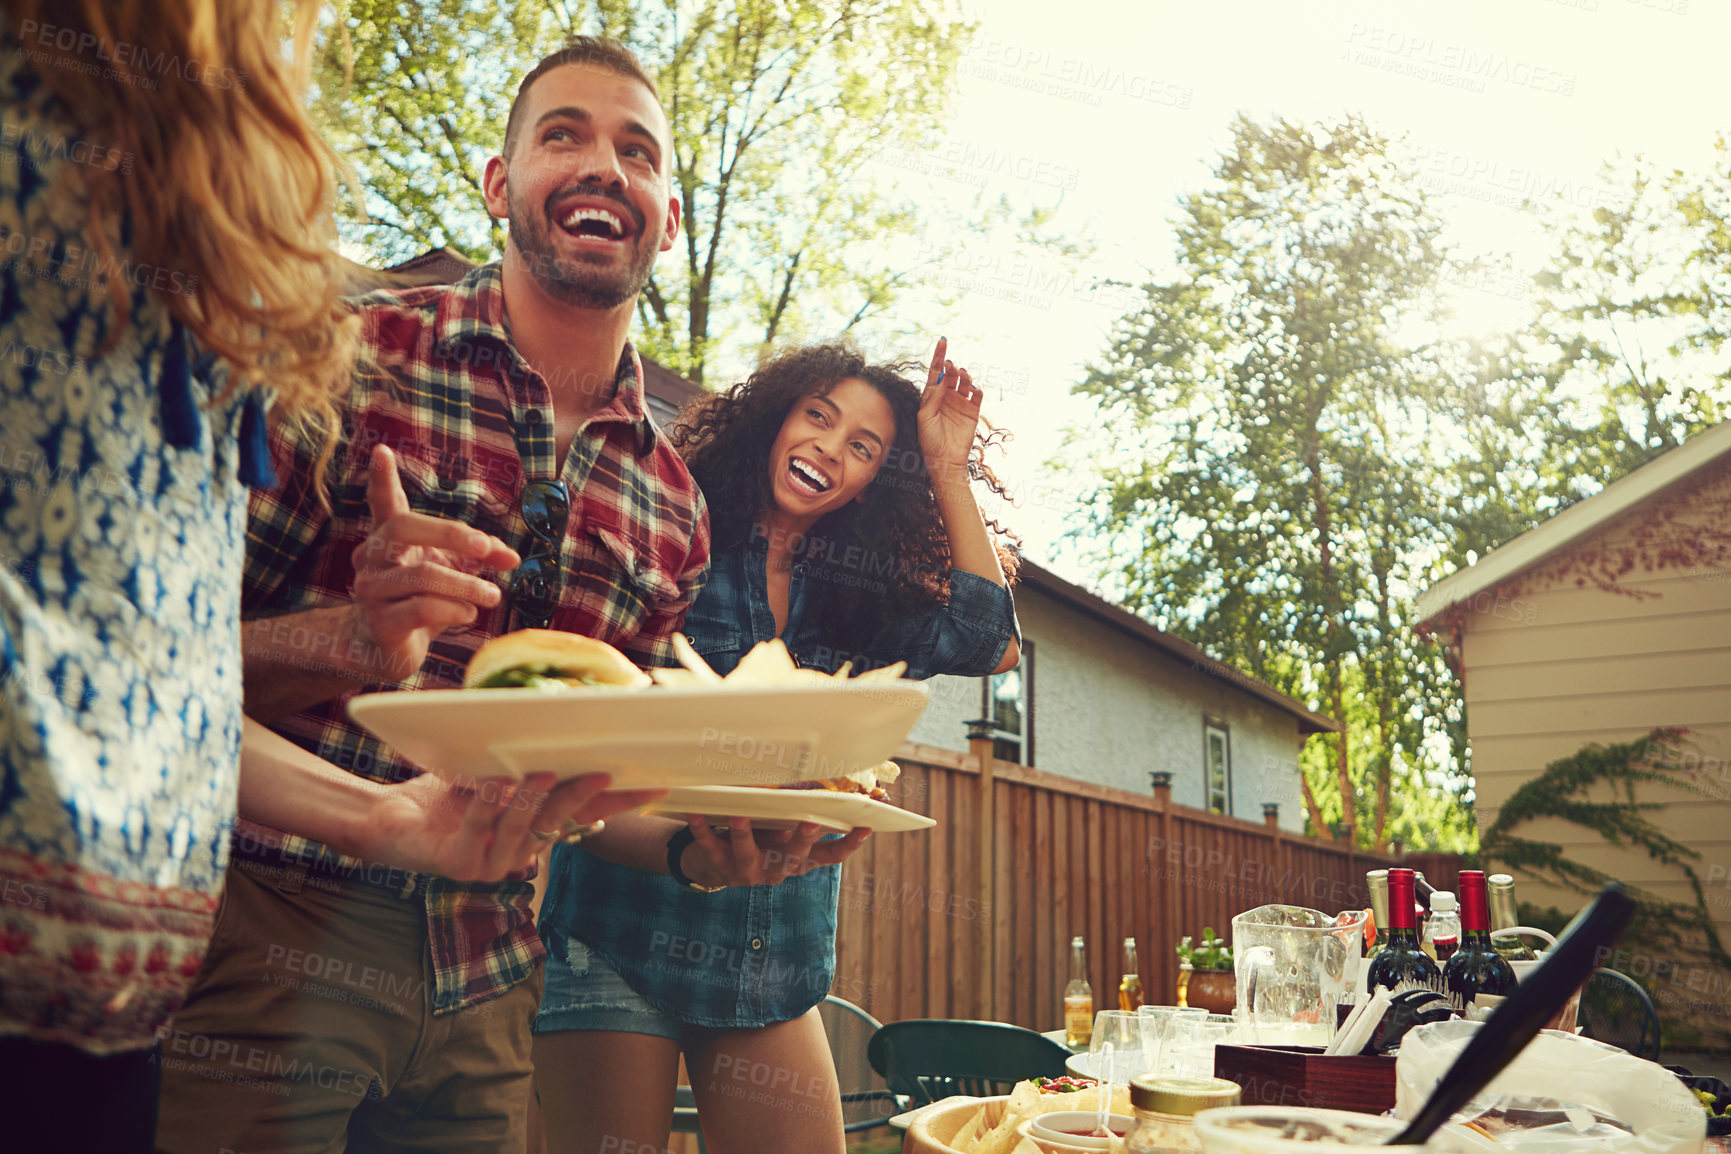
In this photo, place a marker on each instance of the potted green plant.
(1205, 975)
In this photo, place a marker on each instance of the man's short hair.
(594, 51)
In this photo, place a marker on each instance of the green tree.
(1265, 486)
(1629, 339)
(1622, 360)
(777, 108)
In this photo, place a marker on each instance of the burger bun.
(565, 656)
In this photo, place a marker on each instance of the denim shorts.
(583, 992)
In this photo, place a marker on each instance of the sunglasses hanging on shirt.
(539, 580)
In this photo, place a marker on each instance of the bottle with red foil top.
(1402, 959)
(1476, 968)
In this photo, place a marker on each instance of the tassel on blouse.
(179, 408)
(256, 470)
(180, 412)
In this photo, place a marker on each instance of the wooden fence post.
(1276, 848)
(980, 749)
(1170, 914)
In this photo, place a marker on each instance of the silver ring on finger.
(575, 834)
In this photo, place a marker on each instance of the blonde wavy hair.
(226, 181)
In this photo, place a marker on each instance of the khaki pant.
(310, 1031)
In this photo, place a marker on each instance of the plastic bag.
(1563, 1068)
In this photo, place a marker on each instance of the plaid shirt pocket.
(454, 493)
(615, 578)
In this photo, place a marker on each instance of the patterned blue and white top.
(122, 526)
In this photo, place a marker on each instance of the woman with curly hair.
(845, 524)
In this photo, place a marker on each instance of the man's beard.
(573, 281)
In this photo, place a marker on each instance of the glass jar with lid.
(1166, 1109)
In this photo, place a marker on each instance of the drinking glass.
(1130, 1050)
(1154, 1032)
(1187, 1049)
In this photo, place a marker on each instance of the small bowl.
(1059, 1129)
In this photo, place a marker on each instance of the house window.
(1009, 700)
(1217, 765)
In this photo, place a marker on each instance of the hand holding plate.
(483, 829)
(763, 857)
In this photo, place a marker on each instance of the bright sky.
(1113, 109)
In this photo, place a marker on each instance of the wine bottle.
(1504, 913)
(1476, 968)
(1421, 893)
(1401, 958)
(1377, 880)
(1130, 985)
(1078, 1000)
(1442, 930)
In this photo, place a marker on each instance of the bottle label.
(1079, 1020)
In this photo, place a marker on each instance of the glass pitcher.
(1293, 967)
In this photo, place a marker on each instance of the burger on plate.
(869, 782)
(549, 659)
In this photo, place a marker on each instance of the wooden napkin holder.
(1304, 1076)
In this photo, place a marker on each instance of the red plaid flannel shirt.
(470, 423)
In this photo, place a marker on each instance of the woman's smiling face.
(830, 447)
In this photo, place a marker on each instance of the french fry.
(970, 1131)
(766, 663)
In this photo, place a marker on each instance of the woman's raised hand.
(949, 415)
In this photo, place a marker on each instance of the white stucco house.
(1103, 696)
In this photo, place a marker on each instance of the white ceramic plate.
(651, 738)
(781, 808)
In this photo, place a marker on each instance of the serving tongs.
(1518, 1018)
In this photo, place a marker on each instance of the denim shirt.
(752, 955)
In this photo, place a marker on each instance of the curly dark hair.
(879, 560)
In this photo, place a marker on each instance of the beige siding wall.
(1556, 664)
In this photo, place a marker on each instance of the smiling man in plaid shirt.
(344, 1003)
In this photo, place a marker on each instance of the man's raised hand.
(412, 573)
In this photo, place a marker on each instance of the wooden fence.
(974, 918)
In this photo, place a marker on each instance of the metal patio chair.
(1617, 1011)
(924, 1059)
